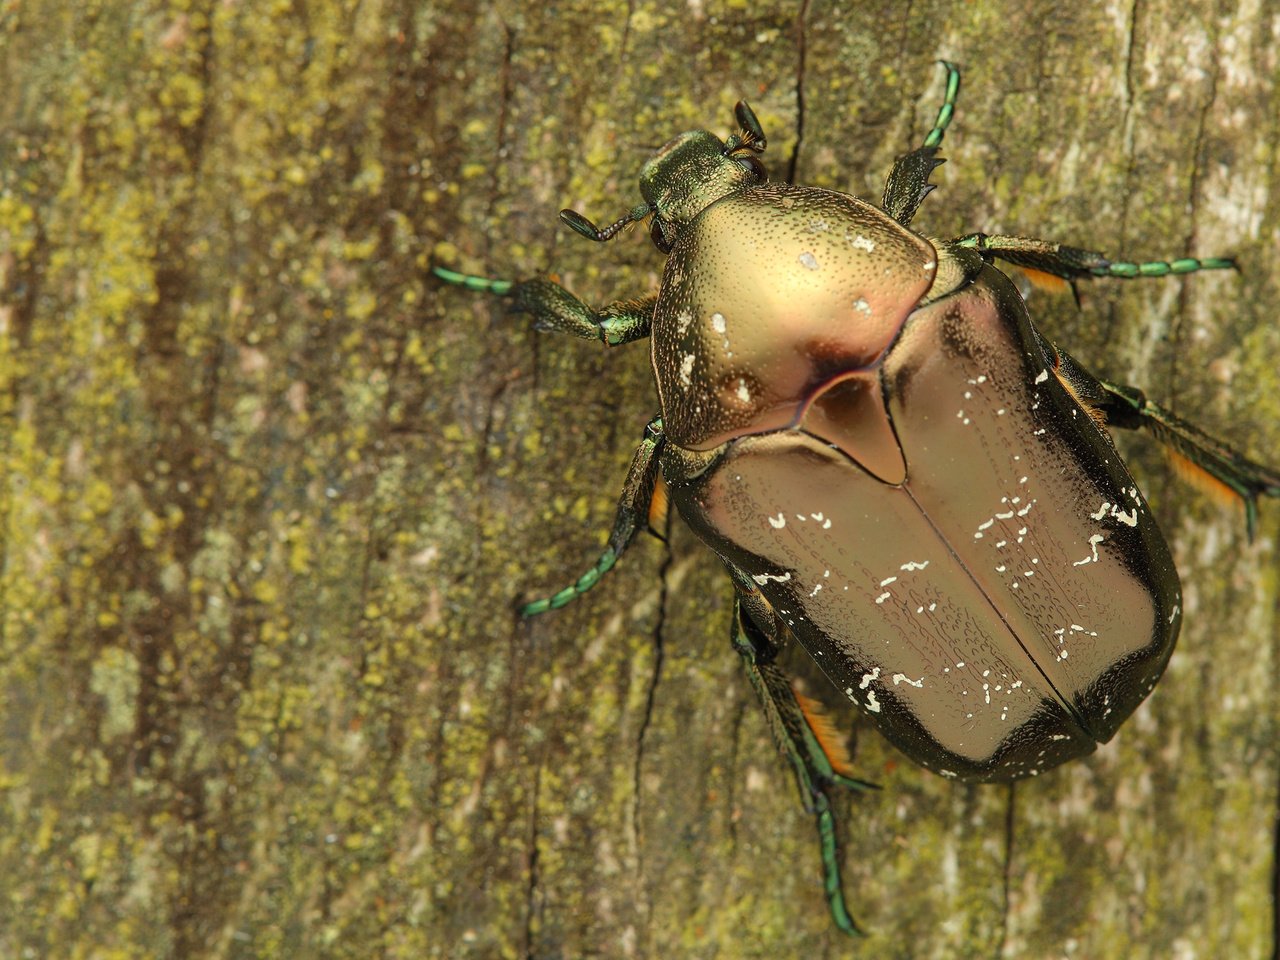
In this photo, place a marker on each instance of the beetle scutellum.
(896, 468)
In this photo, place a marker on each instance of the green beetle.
(895, 467)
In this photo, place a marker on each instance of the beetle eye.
(752, 163)
(658, 237)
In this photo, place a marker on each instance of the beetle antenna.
(586, 228)
(752, 136)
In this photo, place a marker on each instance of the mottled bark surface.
(270, 491)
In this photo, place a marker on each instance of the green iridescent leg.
(908, 183)
(555, 308)
(1073, 263)
(796, 740)
(1128, 408)
(633, 512)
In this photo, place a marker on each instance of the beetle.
(896, 467)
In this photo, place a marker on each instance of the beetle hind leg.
(633, 512)
(800, 738)
(1206, 458)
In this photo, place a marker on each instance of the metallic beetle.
(896, 468)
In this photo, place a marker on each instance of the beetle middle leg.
(1128, 408)
(552, 307)
(633, 512)
(793, 730)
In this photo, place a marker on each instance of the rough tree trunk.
(270, 492)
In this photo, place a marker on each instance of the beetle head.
(686, 176)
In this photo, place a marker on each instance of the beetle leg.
(1073, 263)
(908, 182)
(1128, 408)
(555, 308)
(795, 737)
(633, 512)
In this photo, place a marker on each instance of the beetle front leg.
(1073, 263)
(555, 308)
(1128, 408)
(908, 182)
(798, 735)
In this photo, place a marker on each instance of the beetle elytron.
(896, 468)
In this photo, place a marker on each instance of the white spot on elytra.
(1096, 539)
(883, 597)
(743, 393)
(903, 678)
(913, 565)
(872, 704)
(683, 319)
(779, 523)
(868, 677)
(887, 581)
(862, 306)
(763, 578)
(808, 261)
(717, 323)
(862, 243)
(1042, 376)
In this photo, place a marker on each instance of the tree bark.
(271, 492)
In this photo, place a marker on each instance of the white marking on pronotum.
(872, 704)
(808, 261)
(903, 678)
(868, 677)
(914, 565)
(1042, 376)
(686, 369)
(763, 578)
(1096, 539)
(780, 522)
